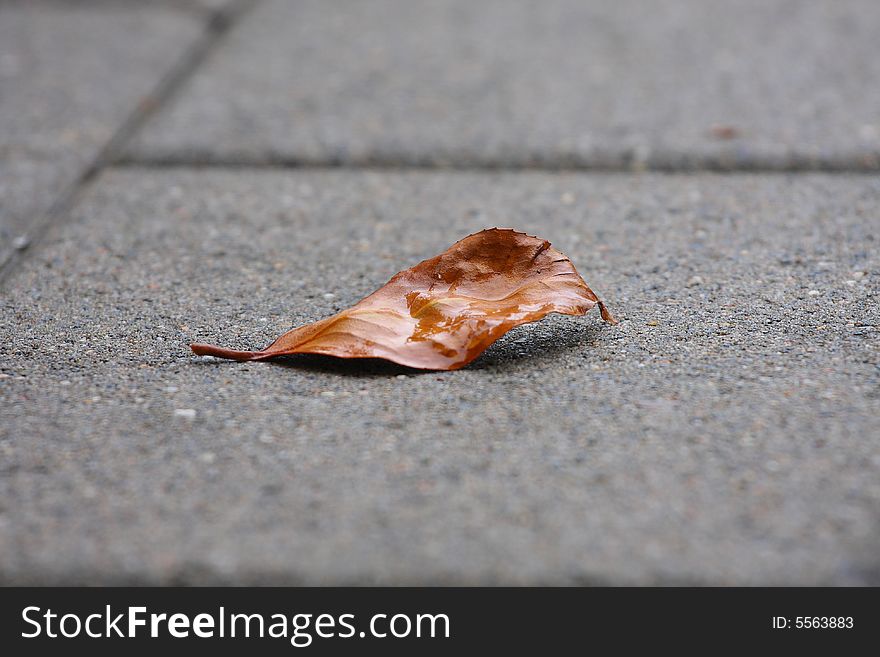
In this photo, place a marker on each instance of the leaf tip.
(606, 314)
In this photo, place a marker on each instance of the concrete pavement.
(71, 75)
(681, 84)
(723, 433)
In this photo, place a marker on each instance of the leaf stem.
(212, 350)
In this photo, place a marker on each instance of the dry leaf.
(444, 312)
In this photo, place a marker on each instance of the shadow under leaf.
(546, 340)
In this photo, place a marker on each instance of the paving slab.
(70, 75)
(725, 432)
(184, 5)
(683, 84)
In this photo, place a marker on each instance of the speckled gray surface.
(70, 74)
(181, 5)
(631, 83)
(724, 432)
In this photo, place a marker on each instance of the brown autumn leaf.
(445, 311)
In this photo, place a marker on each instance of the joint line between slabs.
(217, 23)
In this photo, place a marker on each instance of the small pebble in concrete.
(724, 132)
(186, 413)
